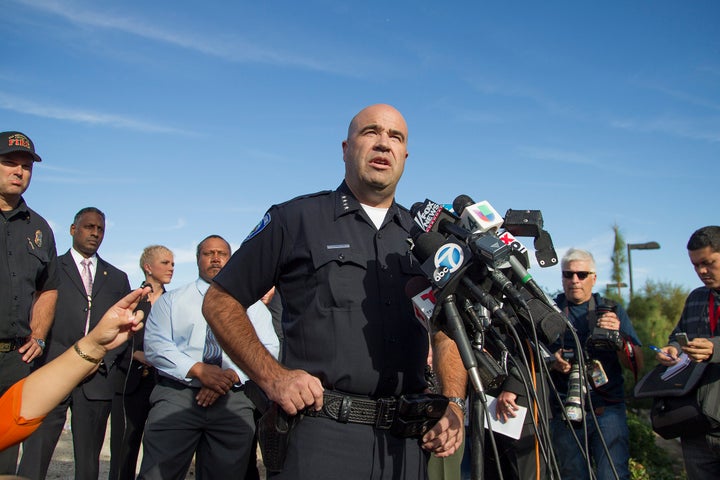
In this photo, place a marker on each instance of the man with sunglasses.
(605, 353)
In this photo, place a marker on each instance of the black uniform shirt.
(28, 265)
(346, 318)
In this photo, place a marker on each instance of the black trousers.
(12, 369)
(323, 449)
(129, 413)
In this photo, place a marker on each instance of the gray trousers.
(221, 435)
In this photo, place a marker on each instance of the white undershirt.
(376, 214)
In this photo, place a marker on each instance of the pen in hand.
(656, 349)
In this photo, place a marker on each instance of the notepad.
(682, 364)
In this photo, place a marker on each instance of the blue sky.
(180, 119)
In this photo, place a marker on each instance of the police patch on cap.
(259, 227)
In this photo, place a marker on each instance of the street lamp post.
(618, 286)
(638, 246)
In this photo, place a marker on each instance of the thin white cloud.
(227, 47)
(179, 225)
(711, 69)
(674, 126)
(556, 155)
(79, 180)
(504, 88)
(684, 96)
(17, 103)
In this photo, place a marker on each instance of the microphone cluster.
(472, 265)
(476, 289)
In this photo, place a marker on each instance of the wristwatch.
(460, 402)
(40, 342)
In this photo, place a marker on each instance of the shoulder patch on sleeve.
(259, 227)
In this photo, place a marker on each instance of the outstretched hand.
(120, 321)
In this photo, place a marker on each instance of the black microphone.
(455, 329)
(443, 260)
(426, 244)
(548, 322)
(529, 282)
(461, 202)
(494, 253)
(429, 216)
(487, 301)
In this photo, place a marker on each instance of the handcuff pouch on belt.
(417, 413)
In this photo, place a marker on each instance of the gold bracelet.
(85, 356)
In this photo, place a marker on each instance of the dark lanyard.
(713, 313)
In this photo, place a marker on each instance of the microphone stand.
(456, 330)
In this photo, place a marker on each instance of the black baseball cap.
(17, 142)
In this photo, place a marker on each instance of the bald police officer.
(340, 261)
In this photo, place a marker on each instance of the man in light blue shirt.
(198, 406)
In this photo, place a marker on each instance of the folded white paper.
(513, 427)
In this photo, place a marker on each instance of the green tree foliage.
(619, 259)
(654, 313)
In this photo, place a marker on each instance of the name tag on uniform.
(339, 245)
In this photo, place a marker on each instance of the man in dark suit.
(88, 287)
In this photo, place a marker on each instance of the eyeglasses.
(581, 275)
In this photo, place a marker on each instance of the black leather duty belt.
(351, 409)
(9, 345)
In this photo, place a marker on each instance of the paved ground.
(62, 466)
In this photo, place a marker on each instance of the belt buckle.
(385, 416)
(145, 372)
(6, 347)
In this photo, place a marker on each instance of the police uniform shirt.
(28, 264)
(346, 318)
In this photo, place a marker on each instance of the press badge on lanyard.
(599, 377)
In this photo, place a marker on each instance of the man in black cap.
(28, 271)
